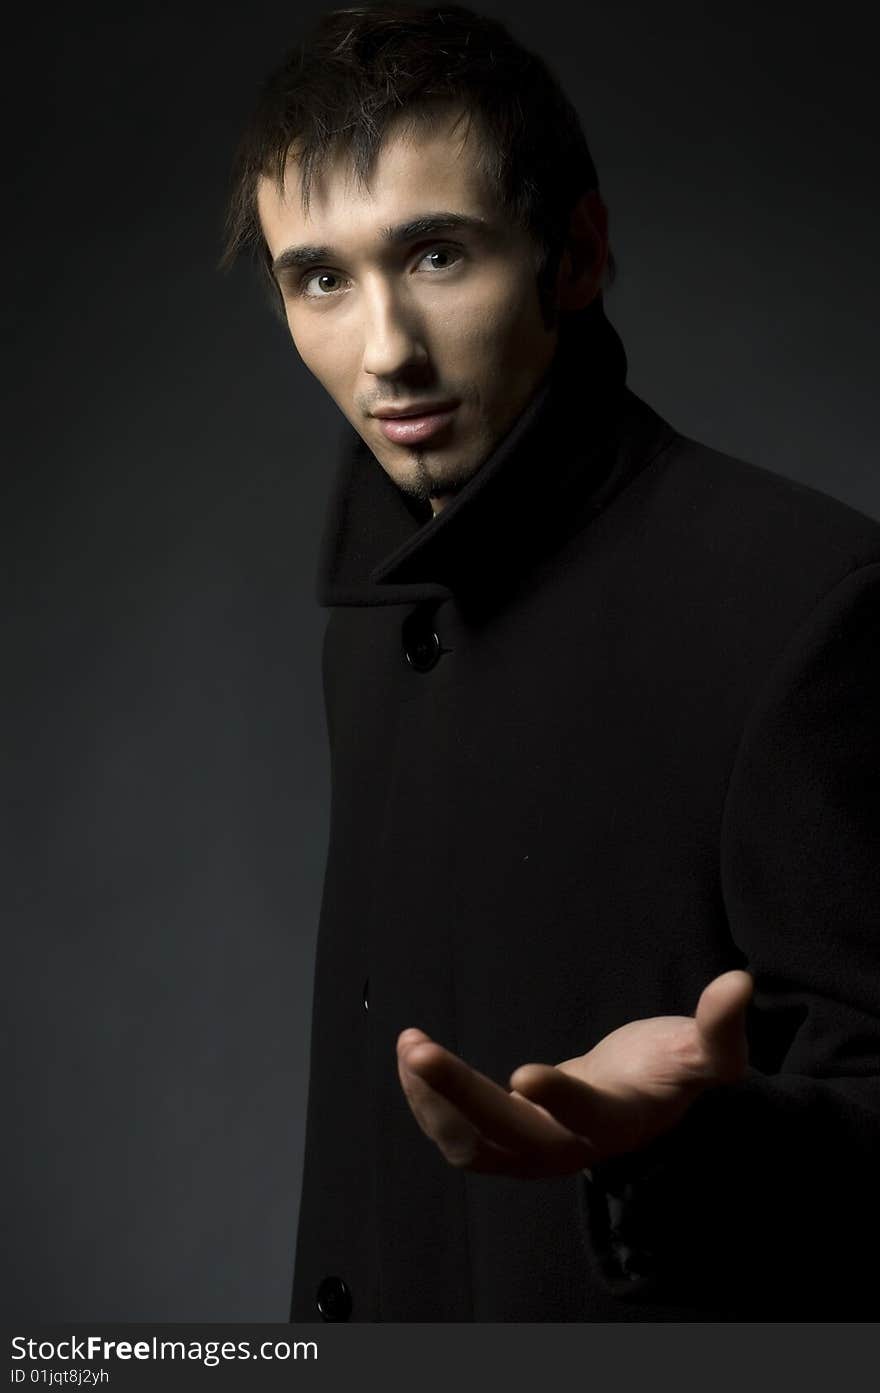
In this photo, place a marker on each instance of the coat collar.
(577, 442)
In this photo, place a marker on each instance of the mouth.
(409, 428)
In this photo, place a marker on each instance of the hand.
(634, 1085)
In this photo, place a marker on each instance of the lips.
(407, 430)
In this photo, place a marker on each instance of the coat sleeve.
(763, 1202)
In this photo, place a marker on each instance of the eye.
(442, 251)
(318, 276)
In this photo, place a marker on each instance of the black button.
(366, 993)
(420, 643)
(334, 1299)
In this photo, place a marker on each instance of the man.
(595, 1030)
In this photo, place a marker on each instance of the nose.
(393, 340)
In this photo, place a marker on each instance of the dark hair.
(362, 67)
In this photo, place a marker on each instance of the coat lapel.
(576, 443)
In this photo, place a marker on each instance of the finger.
(463, 1145)
(721, 1023)
(457, 1138)
(410, 1035)
(507, 1120)
(588, 1112)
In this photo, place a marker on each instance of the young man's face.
(437, 316)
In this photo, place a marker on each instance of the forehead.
(418, 166)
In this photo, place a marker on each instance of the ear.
(586, 253)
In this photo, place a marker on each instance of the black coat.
(603, 729)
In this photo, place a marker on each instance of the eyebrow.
(425, 226)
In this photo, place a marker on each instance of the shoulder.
(719, 552)
(740, 524)
(752, 505)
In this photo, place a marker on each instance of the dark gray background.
(166, 774)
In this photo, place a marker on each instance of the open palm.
(634, 1085)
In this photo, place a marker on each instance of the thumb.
(721, 1024)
